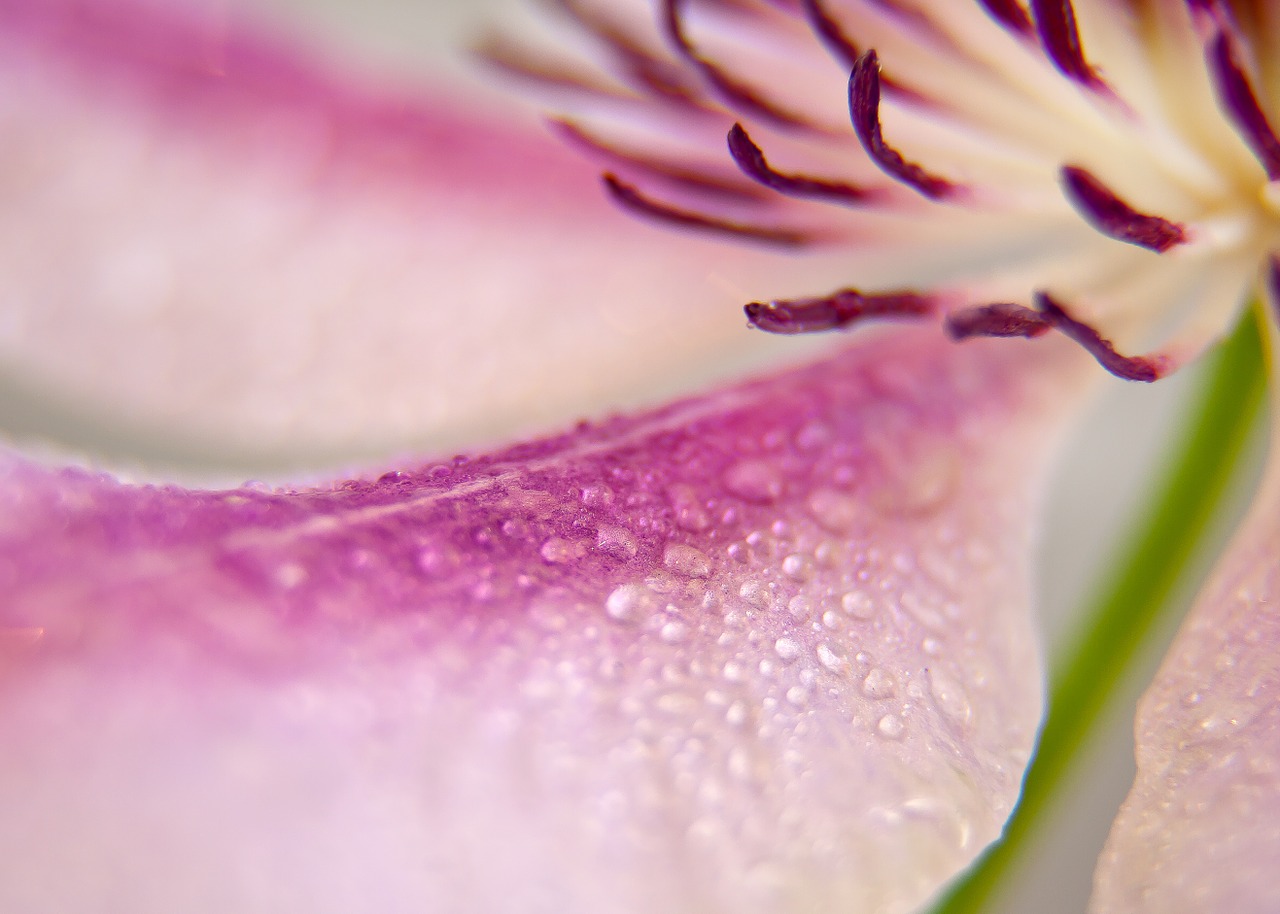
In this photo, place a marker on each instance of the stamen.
(832, 35)
(1131, 368)
(701, 181)
(1056, 25)
(751, 160)
(1114, 218)
(633, 200)
(814, 315)
(736, 94)
(1236, 94)
(864, 110)
(1003, 319)
(1011, 15)
(649, 72)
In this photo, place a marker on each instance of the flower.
(761, 648)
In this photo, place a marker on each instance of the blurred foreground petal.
(764, 650)
(214, 248)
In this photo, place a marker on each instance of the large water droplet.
(616, 541)
(686, 560)
(891, 726)
(689, 512)
(630, 603)
(753, 480)
(950, 697)
(797, 567)
(879, 684)
(858, 604)
(558, 550)
(787, 649)
(836, 511)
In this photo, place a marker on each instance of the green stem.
(1136, 597)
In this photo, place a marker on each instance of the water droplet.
(830, 619)
(858, 604)
(814, 435)
(923, 610)
(797, 567)
(289, 575)
(950, 697)
(800, 606)
(558, 550)
(686, 560)
(756, 593)
(753, 480)
(597, 495)
(733, 671)
(616, 541)
(798, 696)
(831, 660)
(923, 484)
(629, 603)
(689, 512)
(736, 714)
(674, 632)
(836, 511)
(931, 646)
(786, 649)
(879, 684)
(891, 726)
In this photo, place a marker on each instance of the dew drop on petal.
(950, 698)
(879, 684)
(891, 726)
(786, 649)
(629, 602)
(858, 604)
(686, 560)
(754, 481)
(837, 512)
(616, 541)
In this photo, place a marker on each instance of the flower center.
(1005, 169)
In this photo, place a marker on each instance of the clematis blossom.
(766, 646)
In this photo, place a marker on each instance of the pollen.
(1105, 171)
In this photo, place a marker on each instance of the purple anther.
(1011, 16)
(1056, 26)
(750, 159)
(1003, 319)
(840, 309)
(864, 111)
(1131, 368)
(633, 200)
(1237, 97)
(1114, 218)
(735, 94)
(723, 184)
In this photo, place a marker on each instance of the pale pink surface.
(210, 239)
(766, 650)
(1200, 830)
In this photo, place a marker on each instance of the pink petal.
(1200, 829)
(764, 650)
(215, 245)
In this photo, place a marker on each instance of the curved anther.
(1236, 95)
(1011, 16)
(1145, 368)
(705, 182)
(750, 159)
(637, 202)
(1115, 218)
(735, 93)
(840, 309)
(1002, 319)
(864, 111)
(1055, 22)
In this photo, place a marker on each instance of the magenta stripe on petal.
(864, 110)
(1115, 218)
(766, 650)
